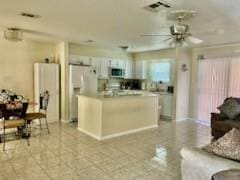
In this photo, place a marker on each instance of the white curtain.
(219, 78)
(234, 77)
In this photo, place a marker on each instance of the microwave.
(116, 72)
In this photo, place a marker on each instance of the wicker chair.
(42, 114)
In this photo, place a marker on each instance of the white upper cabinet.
(86, 60)
(122, 64)
(104, 66)
(117, 63)
(96, 65)
(101, 66)
(114, 63)
(129, 69)
(79, 59)
(141, 69)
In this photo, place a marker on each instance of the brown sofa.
(220, 125)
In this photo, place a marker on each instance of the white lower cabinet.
(166, 105)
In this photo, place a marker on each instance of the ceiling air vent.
(29, 15)
(156, 7)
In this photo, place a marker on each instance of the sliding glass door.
(218, 79)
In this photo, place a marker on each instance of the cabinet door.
(86, 60)
(122, 64)
(104, 66)
(166, 102)
(96, 65)
(114, 63)
(140, 69)
(48, 79)
(80, 59)
(129, 69)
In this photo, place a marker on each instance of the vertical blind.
(218, 78)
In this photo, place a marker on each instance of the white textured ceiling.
(120, 22)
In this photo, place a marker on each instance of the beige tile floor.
(68, 154)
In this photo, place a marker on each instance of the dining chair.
(16, 123)
(42, 112)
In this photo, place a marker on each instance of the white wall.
(16, 64)
(92, 51)
(182, 85)
(180, 80)
(62, 55)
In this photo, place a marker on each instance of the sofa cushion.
(225, 125)
(230, 108)
(227, 146)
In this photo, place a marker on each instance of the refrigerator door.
(83, 80)
(76, 75)
(90, 83)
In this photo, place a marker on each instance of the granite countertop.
(127, 94)
(163, 93)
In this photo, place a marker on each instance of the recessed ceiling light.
(29, 15)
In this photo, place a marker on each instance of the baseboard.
(64, 121)
(117, 134)
(128, 132)
(90, 134)
(202, 123)
(183, 119)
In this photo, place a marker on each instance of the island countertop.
(127, 94)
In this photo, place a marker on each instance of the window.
(160, 71)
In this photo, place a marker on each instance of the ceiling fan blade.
(167, 39)
(184, 44)
(153, 35)
(172, 43)
(194, 40)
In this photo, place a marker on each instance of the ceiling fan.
(179, 33)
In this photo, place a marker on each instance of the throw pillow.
(227, 146)
(231, 108)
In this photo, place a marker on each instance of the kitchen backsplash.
(149, 84)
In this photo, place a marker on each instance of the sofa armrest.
(217, 117)
(208, 160)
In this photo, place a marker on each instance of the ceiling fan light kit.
(181, 14)
(13, 34)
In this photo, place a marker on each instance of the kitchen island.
(104, 117)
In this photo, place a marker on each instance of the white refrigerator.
(46, 77)
(82, 80)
